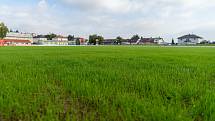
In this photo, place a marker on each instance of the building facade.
(39, 39)
(13, 42)
(109, 41)
(157, 40)
(189, 39)
(53, 43)
(81, 41)
(19, 36)
(57, 41)
(60, 38)
(1, 42)
(143, 41)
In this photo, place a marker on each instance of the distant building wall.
(1, 42)
(60, 39)
(188, 41)
(37, 40)
(13, 42)
(53, 43)
(19, 36)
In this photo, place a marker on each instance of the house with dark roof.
(39, 39)
(77, 41)
(151, 40)
(80, 41)
(126, 42)
(109, 41)
(114, 42)
(57, 41)
(142, 41)
(189, 39)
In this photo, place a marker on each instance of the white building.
(53, 43)
(57, 41)
(157, 40)
(14, 42)
(39, 38)
(189, 39)
(60, 38)
(19, 36)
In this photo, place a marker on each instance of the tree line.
(95, 39)
(92, 40)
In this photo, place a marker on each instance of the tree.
(3, 30)
(100, 40)
(135, 38)
(204, 42)
(94, 39)
(71, 37)
(119, 40)
(78, 41)
(173, 41)
(50, 36)
(87, 41)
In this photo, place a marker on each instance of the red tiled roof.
(15, 40)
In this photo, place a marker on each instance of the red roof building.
(14, 42)
(1, 42)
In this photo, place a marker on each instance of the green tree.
(94, 39)
(71, 37)
(78, 41)
(50, 36)
(119, 40)
(135, 38)
(3, 30)
(87, 40)
(100, 40)
(204, 42)
(173, 41)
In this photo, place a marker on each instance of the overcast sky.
(111, 18)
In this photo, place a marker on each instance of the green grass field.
(107, 83)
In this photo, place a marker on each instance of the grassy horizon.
(107, 83)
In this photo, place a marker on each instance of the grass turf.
(107, 83)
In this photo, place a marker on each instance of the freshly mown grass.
(107, 83)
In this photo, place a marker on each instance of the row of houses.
(140, 41)
(58, 41)
(28, 39)
(17, 39)
(190, 39)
